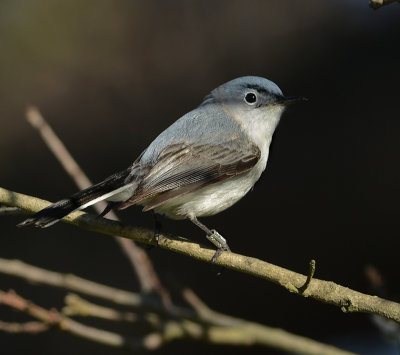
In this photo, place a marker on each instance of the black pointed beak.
(288, 100)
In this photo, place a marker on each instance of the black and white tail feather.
(109, 187)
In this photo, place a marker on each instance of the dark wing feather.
(183, 168)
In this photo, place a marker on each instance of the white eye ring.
(250, 98)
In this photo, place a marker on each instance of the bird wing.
(182, 168)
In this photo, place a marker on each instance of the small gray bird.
(199, 166)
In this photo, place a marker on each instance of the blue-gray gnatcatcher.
(199, 166)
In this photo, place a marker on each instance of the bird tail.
(52, 214)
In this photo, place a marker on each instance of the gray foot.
(220, 242)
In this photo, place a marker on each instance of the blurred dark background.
(110, 75)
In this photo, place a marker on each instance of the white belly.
(214, 198)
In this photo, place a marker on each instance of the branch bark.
(325, 291)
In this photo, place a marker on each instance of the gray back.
(207, 124)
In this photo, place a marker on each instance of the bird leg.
(109, 207)
(214, 237)
(157, 227)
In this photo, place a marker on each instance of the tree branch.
(77, 306)
(11, 211)
(203, 324)
(239, 333)
(53, 318)
(74, 283)
(27, 327)
(325, 291)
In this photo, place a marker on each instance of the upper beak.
(288, 100)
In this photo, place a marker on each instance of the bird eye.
(250, 98)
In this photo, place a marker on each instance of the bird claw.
(220, 242)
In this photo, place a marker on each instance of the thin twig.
(77, 284)
(207, 314)
(310, 275)
(325, 291)
(203, 324)
(77, 306)
(18, 303)
(11, 211)
(32, 327)
(143, 266)
(53, 318)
